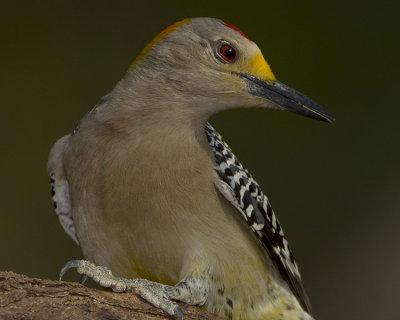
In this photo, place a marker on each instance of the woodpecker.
(156, 199)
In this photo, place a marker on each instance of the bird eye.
(228, 52)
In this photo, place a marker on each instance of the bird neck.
(165, 93)
(145, 105)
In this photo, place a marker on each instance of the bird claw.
(153, 292)
(83, 278)
(66, 267)
(178, 312)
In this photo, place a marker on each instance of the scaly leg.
(190, 290)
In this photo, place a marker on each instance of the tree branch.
(22, 297)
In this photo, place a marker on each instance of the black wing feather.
(255, 208)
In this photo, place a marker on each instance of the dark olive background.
(335, 187)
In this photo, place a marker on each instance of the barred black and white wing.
(239, 187)
(60, 188)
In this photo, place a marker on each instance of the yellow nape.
(157, 39)
(260, 69)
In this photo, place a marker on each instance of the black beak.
(288, 98)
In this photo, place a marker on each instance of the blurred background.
(335, 187)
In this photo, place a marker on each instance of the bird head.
(209, 65)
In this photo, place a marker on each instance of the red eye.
(228, 52)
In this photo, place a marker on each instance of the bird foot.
(155, 293)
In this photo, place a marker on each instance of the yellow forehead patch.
(260, 68)
(157, 39)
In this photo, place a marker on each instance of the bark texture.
(22, 297)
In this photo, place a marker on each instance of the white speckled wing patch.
(62, 205)
(239, 187)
